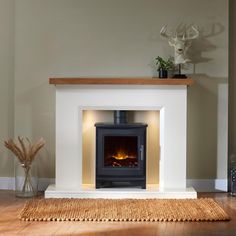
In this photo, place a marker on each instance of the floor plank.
(10, 207)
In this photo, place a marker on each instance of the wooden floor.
(11, 225)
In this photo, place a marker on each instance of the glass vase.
(26, 179)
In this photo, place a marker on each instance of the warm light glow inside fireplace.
(90, 117)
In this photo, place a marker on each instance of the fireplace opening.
(120, 153)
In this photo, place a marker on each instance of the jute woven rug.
(203, 209)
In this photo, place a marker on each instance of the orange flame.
(121, 155)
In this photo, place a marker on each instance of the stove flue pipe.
(120, 117)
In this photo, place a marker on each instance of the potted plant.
(163, 66)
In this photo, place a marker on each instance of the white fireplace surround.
(170, 100)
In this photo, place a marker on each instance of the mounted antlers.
(180, 42)
(194, 36)
(184, 37)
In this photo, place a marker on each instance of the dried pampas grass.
(25, 152)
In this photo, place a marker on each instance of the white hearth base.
(120, 193)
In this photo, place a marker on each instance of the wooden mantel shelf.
(120, 81)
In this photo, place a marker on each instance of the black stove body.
(120, 153)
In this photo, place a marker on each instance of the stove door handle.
(141, 153)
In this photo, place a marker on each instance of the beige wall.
(232, 85)
(6, 83)
(120, 38)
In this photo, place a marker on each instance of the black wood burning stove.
(120, 153)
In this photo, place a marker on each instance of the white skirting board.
(208, 185)
(8, 183)
(200, 185)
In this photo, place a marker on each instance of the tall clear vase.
(26, 179)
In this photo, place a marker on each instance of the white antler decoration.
(180, 44)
